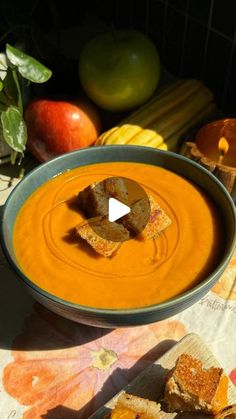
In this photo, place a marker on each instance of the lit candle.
(223, 147)
(217, 141)
(215, 149)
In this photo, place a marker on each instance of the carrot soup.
(143, 272)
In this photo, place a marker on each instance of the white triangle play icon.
(116, 209)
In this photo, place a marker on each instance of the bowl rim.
(165, 305)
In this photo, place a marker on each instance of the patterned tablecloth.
(52, 368)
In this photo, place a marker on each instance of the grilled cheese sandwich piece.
(116, 188)
(102, 246)
(93, 200)
(190, 387)
(133, 407)
(158, 220)
(134, 221)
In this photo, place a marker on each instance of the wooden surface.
(227, 175)
(150, 383)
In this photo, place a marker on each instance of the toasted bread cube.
(115, 188)
(135, 220)
(132, 407)
(190, 387)
(158, 220)
(93, 200)
(102, 246)
(110, 230)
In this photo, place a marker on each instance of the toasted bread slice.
(133, 407)
(115, 188)
(135, 220)
(93, 200)
(158, 220)
(190, 387)
(228, 413)
(102, 246)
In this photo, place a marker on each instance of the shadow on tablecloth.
(106, 393)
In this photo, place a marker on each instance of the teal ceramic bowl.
(116, 318)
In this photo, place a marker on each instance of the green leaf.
(28, 67)
(2, 64)
(1, 85)
(11, 88)
(4, 99)
(19, 91)
(14, 129)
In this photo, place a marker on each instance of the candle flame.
(223, 146)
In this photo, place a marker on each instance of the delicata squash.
(162, 122)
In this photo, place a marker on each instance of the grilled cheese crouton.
(102, 246)
(133, 407)
(136, 220)
(93, 200)
(190, 387)
(158, 220)
(116, 188)
(146, 216)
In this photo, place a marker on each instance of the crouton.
(93, 200)
(158, 220)
(146, 216)
(116, 188)
(190, 387)
(138, 217)
(104, 247)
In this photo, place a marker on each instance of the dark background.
(195, 38)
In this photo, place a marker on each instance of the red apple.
(56, 127)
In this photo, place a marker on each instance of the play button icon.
(116, 210)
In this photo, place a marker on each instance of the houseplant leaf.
(14, 129)
(28, 67)
(11, 87)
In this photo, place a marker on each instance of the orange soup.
(143, 272)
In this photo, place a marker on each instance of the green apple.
(119, 70)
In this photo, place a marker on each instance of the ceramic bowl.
(171, 161)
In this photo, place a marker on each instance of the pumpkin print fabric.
(233, 376)
(226, 286)
(65, 370)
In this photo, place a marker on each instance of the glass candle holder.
(214, 147)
